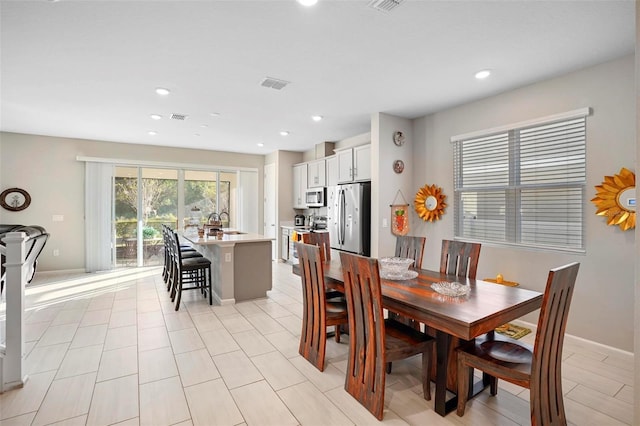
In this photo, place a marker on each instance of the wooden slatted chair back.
(321, 239)
(411, 248)
(459, 258)
(314, 322)
(547, 406)
(365, 379)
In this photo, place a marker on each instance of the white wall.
(603, 304)
(386, 183)
(47, 168)
(636, 411)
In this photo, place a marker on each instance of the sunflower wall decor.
(429, 203)
(616, 199)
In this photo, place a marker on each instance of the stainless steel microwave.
(316, 197)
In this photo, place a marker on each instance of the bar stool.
(187, 253)
(188, 274)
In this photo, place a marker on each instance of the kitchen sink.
(233, 232)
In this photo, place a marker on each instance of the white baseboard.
(583, 343)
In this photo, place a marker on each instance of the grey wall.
(603, 304)
(47, 168)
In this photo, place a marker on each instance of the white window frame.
(507, 193)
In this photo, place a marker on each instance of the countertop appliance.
(299, 220)
(318, 222)
(349, 217)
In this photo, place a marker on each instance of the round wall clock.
(15, 199)
(398, 166)
(398, 138)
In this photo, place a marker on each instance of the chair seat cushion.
(507, 351)
(195, 262)
(482, 353)
(333, 294)
(401, 340)
(190, 254)
(336, 310)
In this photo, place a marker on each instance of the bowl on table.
(396, 268)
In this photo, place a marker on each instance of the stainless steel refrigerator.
(349, 217)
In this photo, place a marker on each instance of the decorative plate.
(398, 138)
(15, 199)
(405, 275)
(398, 166)
(451, 289)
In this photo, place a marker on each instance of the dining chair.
(537, 369)
(459, 258)
(411, 248)
(374, 341)
(318, 313)
(188, 274)
(321, 239)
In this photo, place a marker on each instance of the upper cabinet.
(362, 163)
(299, 186)
(354, 164)
(332, 170)
(316, 174)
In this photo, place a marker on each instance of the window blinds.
(523, 185)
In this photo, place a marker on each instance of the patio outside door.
(145, 199)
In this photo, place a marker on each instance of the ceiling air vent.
(178, 117)
(384, 5)
(274, 83)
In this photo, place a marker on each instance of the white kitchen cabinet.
(284, 245)
(332, 170)
(354, 164)
(345, 165)
(316, 174)
(299, 186)
(362, 163)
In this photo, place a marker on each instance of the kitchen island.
(240, 265)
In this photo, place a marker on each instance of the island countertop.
(227, 237)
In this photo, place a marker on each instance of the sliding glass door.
(145, 199)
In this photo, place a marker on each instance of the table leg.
(442, 405)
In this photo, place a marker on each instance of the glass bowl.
(395, 265)
(454, 289)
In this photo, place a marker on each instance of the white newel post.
(12, 371)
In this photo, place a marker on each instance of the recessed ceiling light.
(215, 114)
(284, 133)
(307, 2)
(155, 116)
(196, 134)
(316, 117)
(162, 91)
(204, 125)
(152, 132)
(481, 75)
(260, 144)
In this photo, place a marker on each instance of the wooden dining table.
(454, 320)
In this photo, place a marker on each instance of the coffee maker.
(299, 220)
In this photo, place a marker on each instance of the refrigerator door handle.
(342, 216)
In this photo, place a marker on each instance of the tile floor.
(110, 349)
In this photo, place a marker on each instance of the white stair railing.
(12, 353)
